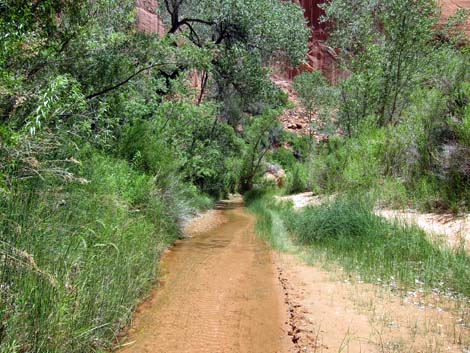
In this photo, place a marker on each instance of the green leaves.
(386, 46)
(244, 36)
(317, 96)
(266, 27)
(62, 96)
(258, 135)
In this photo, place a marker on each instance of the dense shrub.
(402, 109)
(297, 179)
(283, 156)
(397, 162)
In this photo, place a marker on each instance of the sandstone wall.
(148, 20)
(320, 57)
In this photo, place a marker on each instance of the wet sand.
(219, 293)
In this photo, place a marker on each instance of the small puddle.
(219, 294)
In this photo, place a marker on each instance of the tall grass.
(270, 224)
(350, 234)
(75, 259)
(347, 233)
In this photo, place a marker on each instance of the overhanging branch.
(122, 83)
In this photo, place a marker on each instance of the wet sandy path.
(219, 294)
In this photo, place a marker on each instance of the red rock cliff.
(450, 7)
(320, 57)
(147, 17)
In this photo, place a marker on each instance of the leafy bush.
(184, 141)
(297, 179)
(141, 146)
(318, 98)
(258, 135)
(326, 167)
(283, 156)
(398, 163)
(385, 66)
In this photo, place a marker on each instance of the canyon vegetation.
(113, 136)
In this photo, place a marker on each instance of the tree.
(383, 44)
(258, 136)
(244, 36)
(266, 27)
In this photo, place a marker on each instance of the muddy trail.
(219, 293)
(224, 290)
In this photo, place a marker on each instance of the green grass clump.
(76, 258)
(347, 232)
(270, 224)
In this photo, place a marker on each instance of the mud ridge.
(302, 339)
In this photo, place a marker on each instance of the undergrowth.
(76, 258)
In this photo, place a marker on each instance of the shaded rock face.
(323, 58)
(147, 17)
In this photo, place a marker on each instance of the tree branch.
(176, 24)
(122, 83)
(197, 20)
(167, 5)
(205, 76)
(197, 40)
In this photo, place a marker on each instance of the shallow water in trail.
(219, 293)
